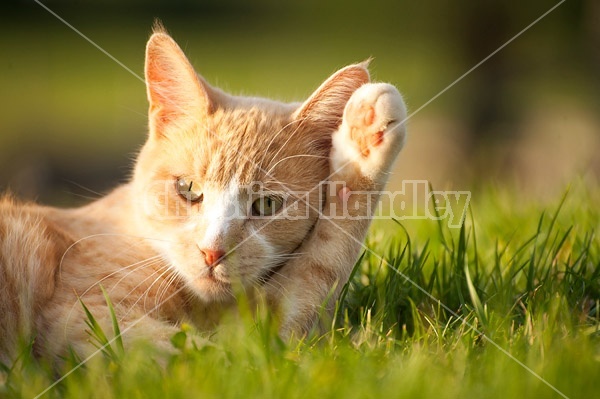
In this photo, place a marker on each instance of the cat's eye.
(188, 190)
(266, 206)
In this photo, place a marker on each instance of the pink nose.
(212, 256)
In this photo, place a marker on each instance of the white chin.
(209, 289)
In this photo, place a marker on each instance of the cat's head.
(229, 186)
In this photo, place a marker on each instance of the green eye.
(188, 190)
(266, 206)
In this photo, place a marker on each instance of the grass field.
(506, 306)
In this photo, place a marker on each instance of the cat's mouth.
(215, 278)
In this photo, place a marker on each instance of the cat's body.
(53, 257)
(227, 192)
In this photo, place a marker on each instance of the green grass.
(507, 306)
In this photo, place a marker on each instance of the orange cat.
(227, 193)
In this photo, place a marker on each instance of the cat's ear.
(178, 97)
(325, 107)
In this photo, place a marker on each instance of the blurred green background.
(71, 119)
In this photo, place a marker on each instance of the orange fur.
(144, 242)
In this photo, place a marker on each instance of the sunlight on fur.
(166, 247)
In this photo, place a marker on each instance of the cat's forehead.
(244, 144)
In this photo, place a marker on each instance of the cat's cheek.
(260, 257)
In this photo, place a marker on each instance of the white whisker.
(260, 164)
(143, 264)
(163, 288)
(162, 270)
(158, 269)
(133, 268)
(291, 135)
(292, 157)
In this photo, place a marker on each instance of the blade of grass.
(115, 323)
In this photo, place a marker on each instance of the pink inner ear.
(162, 108)
(175, 93)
